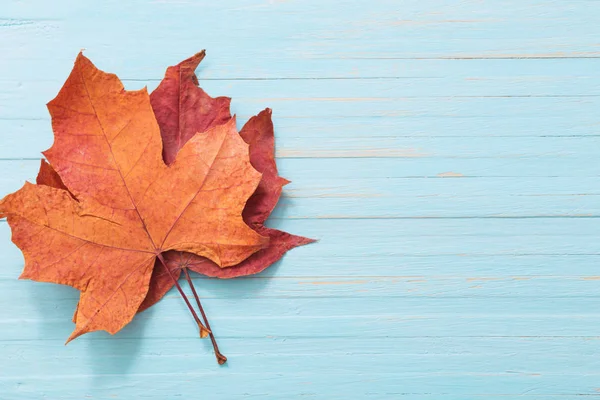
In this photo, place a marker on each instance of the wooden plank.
(442, 236)
(41, 317)
(367, 146)
(524, 286)
(540, 29)
(447, 194)
(289, 384)
(407, 102)
(275, 357)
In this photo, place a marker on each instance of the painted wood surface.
(444, 153)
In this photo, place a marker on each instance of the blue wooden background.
(444, 152)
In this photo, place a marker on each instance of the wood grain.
(444, 153)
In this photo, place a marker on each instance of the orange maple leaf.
(182, 109)
(127, 206)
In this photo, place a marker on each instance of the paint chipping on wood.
(450, 174)
(355, 282)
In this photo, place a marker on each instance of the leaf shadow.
(52, 302)
(108, 357)
(113, 356)
(280, 212)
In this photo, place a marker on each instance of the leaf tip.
(24, 275)
(80, 57)
(283, 181)
(188, 67)
(71, 338)
(306, 240)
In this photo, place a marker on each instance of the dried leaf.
(259, 134)
(280, 243)
(182, 108)
(130, 206)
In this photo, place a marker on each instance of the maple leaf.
(179, 98)
(124, 206)
(258, 133)
(183, 109)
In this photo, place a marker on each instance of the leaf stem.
(204, 331)
(221, 359)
